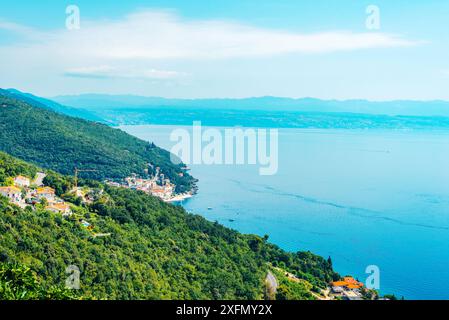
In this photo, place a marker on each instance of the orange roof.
(354, 286)
(45, 190)
(22, 177)
(10, 189)
(59, 206)
(348, 282)
(339, 283)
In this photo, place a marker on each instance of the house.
(352, 295)
(158, 192)
(46, 193)
(21, 181)
(169, 188)
(348, 283)
(337, 290)
(13, 193)
(62, 208)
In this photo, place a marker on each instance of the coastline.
(179, 198)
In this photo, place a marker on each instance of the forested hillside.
(139, 248)
(54, 106)
(61, 143)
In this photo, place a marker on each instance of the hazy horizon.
(234, 97)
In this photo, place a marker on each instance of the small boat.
(231, 220)
(209, 208)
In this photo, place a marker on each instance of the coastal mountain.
(55, 141)
(101, 102)
(125, 244)
(54, 106)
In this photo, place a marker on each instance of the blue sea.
(363, 197)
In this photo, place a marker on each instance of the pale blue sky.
(232, 48)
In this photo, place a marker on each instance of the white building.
(352, 295)
(46, 193)
(21, 181)
(62, 208)
(13, 193)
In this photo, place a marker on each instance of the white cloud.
(164, 35)
(158, 46)
(100, 72)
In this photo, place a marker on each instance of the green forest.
(152, 250)
(61, 143)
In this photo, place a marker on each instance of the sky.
(348, 49)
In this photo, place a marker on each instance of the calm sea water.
(362, 197)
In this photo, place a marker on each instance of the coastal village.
(26, 193)
(23, 195)
(158, 186)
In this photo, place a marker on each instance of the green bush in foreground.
(19, 282)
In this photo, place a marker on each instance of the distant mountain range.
(97, 102)
(260, 112)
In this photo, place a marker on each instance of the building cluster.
(158, 186)
(348, 288)
(23, 195)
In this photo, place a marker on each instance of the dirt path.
(39, 181)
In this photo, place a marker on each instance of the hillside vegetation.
(54, 106)
(61, 143)
(151, 250)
